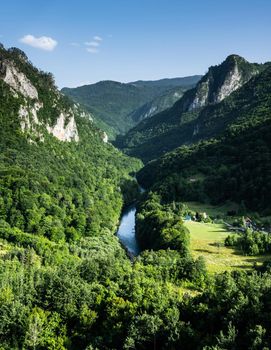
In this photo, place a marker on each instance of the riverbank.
(126, 231)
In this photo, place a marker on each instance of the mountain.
(169, 82)
(51, 152)
(234, 163)
(157, 105)
(181, 124)
(116, 105)
(61, 197)
(66, 281)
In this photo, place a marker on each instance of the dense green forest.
(117, 107)
(65, 280)
(198, 114)
(57, 188)
(233, 166)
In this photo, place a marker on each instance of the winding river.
(126, 231)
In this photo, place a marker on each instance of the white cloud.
(92, 49)
(92, 46)
(97, 38)
(92, 43)
(44, 42)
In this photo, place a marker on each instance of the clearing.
(207, 240)
(212, 210)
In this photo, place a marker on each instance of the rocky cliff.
(220, 81)
(118, 107)
(41, 107)
(188, 120)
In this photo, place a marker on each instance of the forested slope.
(65, 280)
(192, 117)
(57, 175)
(117, 107)
(231, 165)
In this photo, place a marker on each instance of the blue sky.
(126, 40)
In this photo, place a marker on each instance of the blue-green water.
(126, 231)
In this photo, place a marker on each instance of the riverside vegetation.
(65, 280)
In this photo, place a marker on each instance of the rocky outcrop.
(105, 137)
(18, 81)
(196, 130)
(220, 82)
(232, 82)
(150, 112)
(201, 96)
(157, 105)
(64, 132)
(28, 116)
(65, 128)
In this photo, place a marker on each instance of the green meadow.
(207, 240)
(212, 210)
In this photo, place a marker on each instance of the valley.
(207, 240)
(90, 260)
(117, 107)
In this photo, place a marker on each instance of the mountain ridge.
(234, 158)
(115, 104)
(178, 81)
(66, 281)
(54, 144)
(167, 130)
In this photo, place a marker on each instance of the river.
(126, 231)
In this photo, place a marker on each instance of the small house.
(187, 218)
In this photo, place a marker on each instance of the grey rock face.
(221, 81)
(65, 128)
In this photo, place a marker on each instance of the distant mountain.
(157, 105)
(234, 163)
(170, 82)
(116, 106)
(181, 124)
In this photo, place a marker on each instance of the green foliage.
(117, 107)
(160, 227)
(233, 166)
(58, 190)
(65, 280)
(250, 242)
(178, 125)
(52, 187)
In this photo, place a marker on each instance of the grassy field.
(205, 239)
(212, 210)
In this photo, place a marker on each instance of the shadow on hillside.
(244, 267)
(204, 251)
(217, 244)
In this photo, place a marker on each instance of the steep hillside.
(58, 177)
(157, 105)
(234, 164)
(116, 106)
(181, 124)
(66, 282)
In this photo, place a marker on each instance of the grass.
(212, 210)
(207, 240)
